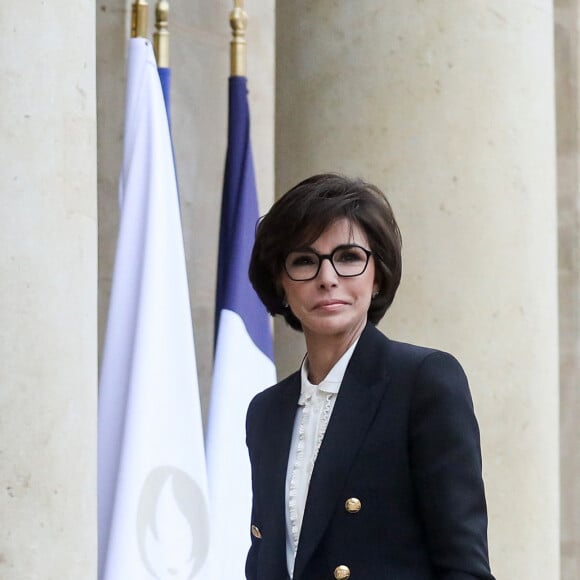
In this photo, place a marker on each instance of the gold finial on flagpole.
(239, 23)
(161, 36)
(139, 11)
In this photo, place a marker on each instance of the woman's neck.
(324, 352)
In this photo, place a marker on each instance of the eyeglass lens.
(348, 260)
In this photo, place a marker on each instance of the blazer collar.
(360, 394)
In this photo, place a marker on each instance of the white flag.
(153, 510)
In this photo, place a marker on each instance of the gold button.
(352, 505)
(342, 572)
(256, 532)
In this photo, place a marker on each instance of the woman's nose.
(327, 274)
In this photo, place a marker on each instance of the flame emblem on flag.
(172, 524)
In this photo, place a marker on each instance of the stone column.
(449, 107)
(567, 31)
(48, 267)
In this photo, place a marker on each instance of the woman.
(366, 463)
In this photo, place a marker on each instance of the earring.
(284, 304)
(374, 294)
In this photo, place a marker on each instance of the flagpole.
(161, 36)
(243, 360)
(239, 23)
(139, 11)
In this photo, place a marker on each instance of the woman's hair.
(300, 216)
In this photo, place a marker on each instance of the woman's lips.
(329, 304)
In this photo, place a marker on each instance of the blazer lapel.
(360, 394)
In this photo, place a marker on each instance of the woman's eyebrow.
(305, 248)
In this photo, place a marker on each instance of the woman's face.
(329, 305)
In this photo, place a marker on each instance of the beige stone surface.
(48, 346)
(450, 109)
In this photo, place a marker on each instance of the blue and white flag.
(153, 507)
(243, 363)
(165, 79)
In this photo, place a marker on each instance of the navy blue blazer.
(402, 439)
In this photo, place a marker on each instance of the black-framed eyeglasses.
(348, 260)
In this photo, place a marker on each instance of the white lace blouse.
(316, 403)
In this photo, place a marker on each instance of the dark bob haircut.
(300, 216)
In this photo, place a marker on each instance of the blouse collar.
(331, 382)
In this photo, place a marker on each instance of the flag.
(165, 78)
(152, 484)
(243, 362)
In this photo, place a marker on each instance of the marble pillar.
(48, 299)
(449, 107)
(567, 33)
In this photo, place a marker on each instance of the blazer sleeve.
(446, 468)
(252, 557)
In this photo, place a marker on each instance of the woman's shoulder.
(405, 359)
(400, 350)
(422, 354)
(269, 404)
(282, 388)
